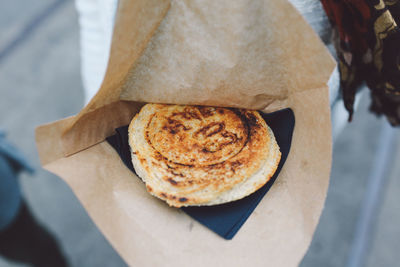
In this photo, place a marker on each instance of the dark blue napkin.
(226, 219)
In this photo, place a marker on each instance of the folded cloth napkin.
(226, 219)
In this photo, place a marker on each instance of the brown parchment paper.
(250, 54)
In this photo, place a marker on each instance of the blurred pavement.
(40, 82)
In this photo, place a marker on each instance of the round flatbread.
(196, 155)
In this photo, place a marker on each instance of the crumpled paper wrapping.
(244, 53)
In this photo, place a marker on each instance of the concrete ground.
(40, 82)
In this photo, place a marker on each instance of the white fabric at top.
(96, 20)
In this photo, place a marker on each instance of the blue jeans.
(11, 162)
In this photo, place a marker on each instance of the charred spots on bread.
(188, 113)
(181, 164)
(212, 147)
(192, 114)
(183, 199)
(235, 165)
(158, 156)
(252, 120)
(214, 166)
(232, 138)
(176, 173)
(174, 126)
(170, 196)
(243, 115)
(213, 129)
(210, 129)
(205, 150)
(182, 129)
(170, 167)
(169, 163)
(172, 181)
(206, 111)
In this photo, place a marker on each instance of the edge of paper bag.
(48, 140)
(128, 46)
(108, 201)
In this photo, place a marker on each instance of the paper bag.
(245, 53)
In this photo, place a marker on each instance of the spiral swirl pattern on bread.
(195, 155)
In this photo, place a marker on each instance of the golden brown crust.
(191, 155)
